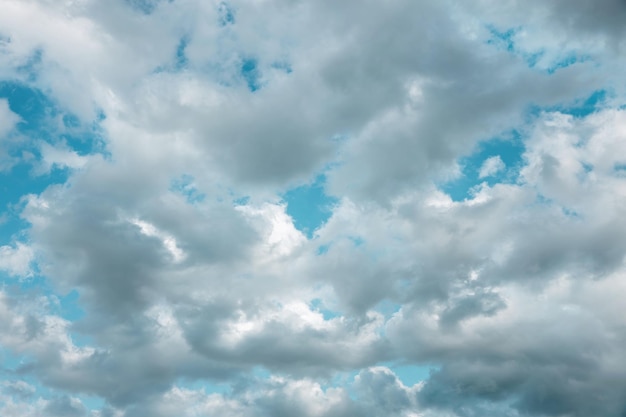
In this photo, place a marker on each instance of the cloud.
(14, 402)
(492, 166)
(378, 388)
(59, 157)
(8, 119)
(487, 368)
(151, 146)
(17, 260)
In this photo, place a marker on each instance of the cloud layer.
(151, 264)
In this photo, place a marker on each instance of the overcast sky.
(323, 208)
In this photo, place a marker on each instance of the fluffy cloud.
(157, 140)
(16, 260)
(491, 166)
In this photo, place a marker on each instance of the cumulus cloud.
(152, 144)
(16, 260)
(492, 166)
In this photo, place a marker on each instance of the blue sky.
(278, 208)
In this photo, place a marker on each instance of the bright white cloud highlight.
(8, 119)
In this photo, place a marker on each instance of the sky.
(251, 208)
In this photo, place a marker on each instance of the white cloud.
(485, 291)
(492, 166)
(8, 119)
(59, 157)
(168, 241)
(17, 260)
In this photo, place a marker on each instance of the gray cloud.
(190, 272)
(64, 406)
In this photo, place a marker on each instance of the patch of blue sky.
(91, 402)
(621, 167)
(41, 391)
(144, 6)
(69, 307)
(583, 106)
(309, 206)
(343, 380)
(357, 241)
(85, 138)
(546, 202)
(570, 213)
(42, 119)
(35, 286)
(65, 306)
(543, 200)
(283, 66)
(318, 305)
(34, 108)
(410, 374)
(502, 39)
(226, 14)
(388, 308)
(179, 61)
(323, 249)
(251, 73)
(80, 339)
(509, 149)
(505, 40)
(256, 376)
(15, 184)
(185, 186)
(23, 286)
(578, 108)
(569, 60)
(245, 71)
(22, 371)
(241, 201)
(261, 373)
(33, 391)
(181, 57)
